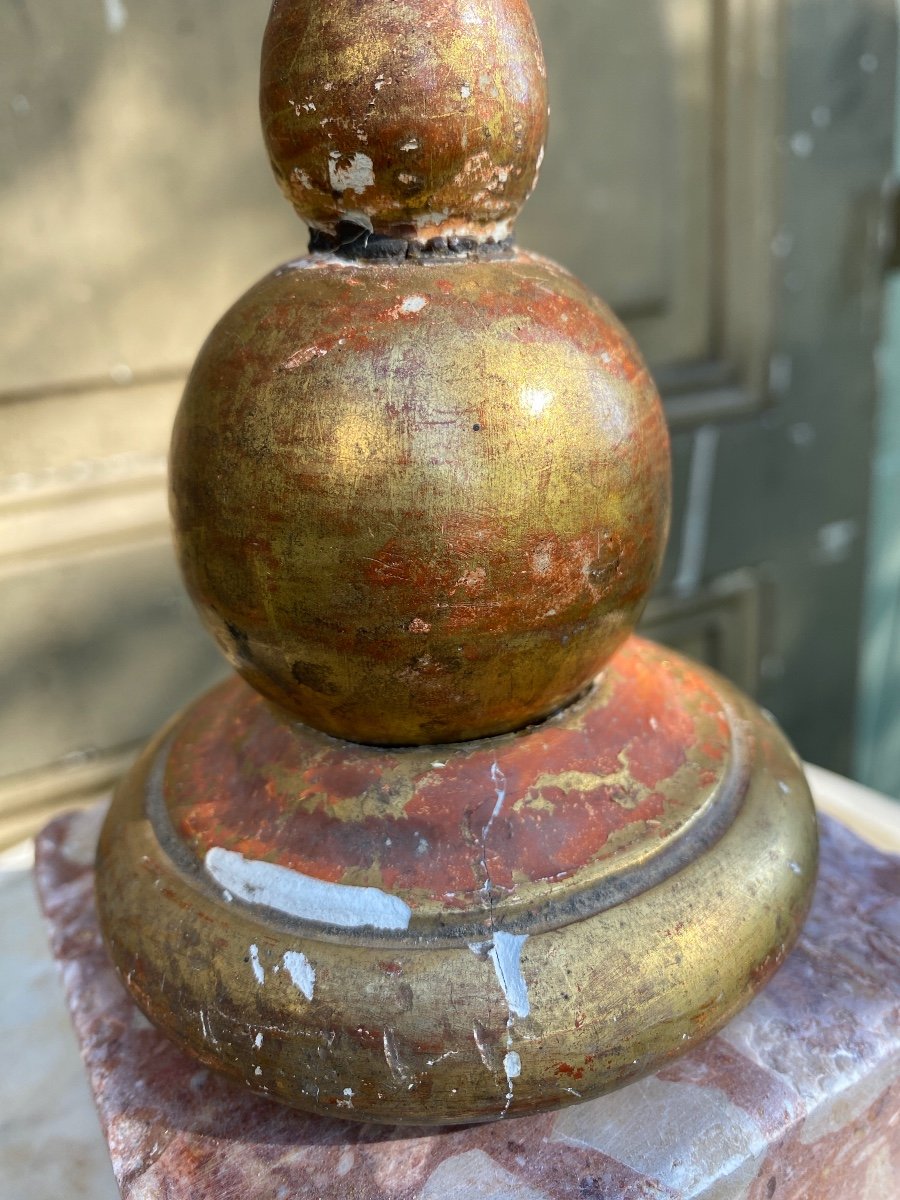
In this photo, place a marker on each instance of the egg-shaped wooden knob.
(411, 119)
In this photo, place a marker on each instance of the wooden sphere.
(420, 503)
(412, 119)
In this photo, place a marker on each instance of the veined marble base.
(798, 1098)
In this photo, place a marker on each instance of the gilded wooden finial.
(452, 846)
(420, 494)
(409, 119)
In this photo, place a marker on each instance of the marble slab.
(798, 1098)
(50, 1143)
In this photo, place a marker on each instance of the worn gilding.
(420, 503)
(417, 1020)
(415, 118)
(454, 847)
(469, 832)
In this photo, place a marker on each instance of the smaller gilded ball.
(431, 124)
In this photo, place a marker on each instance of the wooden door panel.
(135, 195)
(625, 190)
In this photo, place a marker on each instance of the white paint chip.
(302, 896)
(413, 304)
(512, 1065)
(301, 971)
(355, 174)
(257, 966)
(506, 956)
(499, 781)
(506, 953)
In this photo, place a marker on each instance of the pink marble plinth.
(798, 1098)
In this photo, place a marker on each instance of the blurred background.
(719, 170)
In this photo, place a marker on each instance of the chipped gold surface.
(419, 118)
(415, 1024)
(420, 503)
(423, 499)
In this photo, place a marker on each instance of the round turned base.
(458, 933)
